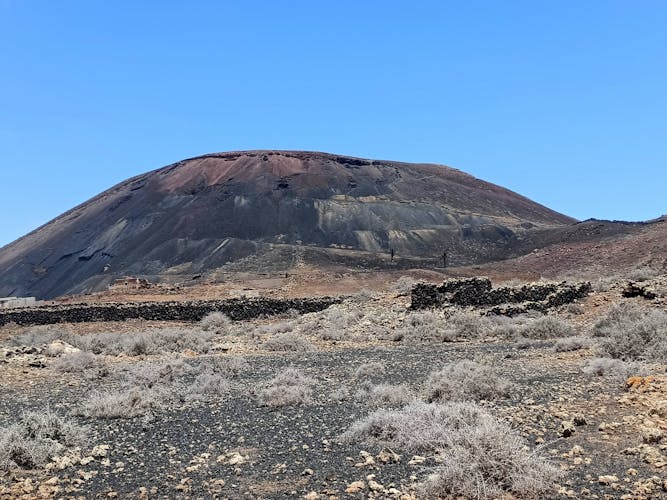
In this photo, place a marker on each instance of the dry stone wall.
(478, 292)
(236, 309)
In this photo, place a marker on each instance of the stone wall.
(478, 292)
(236, 309)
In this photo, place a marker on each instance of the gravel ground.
(231, 446)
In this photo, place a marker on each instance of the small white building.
(7, 302)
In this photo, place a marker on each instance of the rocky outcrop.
(236, 309)
(478, 292)
(636, 290)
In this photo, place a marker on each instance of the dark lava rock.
(635, 290)
(478, 292)
(236, 309)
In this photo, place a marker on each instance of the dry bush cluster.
(288, 387)
(480, 456)
(80, 361)
(157, 341)
(149, 385)
(466, 380)
(369, 370)
(379, 395)
(568, 344)
(333, 324)
(403, 285)
(38, 438)
(628, 332)
(425, 326)
(436, 326)
(547, 327)
(216, 322)
(285, 342)
(614, 368)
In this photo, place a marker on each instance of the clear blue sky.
(562, 101)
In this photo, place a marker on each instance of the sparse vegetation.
(403, 285)
(289, 342)
(289, 387)
(465, 380)
(432, 408)
(157, 341)
(385, 394)
(614, 368)
(568, 344)
(425, 326)
(215, 322)
(336, 323)
(643, 273)
(628, 332)
(79, 362)
(209, 383)
(547, 327)
(369, 370)
(123, 403)
(482, 457)
(433, 326)
(229, 367)
(37, 438)
(469, 325)
(37, 336)
(504, 327)
(164, 340)
(150, 385)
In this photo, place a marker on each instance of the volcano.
(269, 211)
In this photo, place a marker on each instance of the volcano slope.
(271, 211)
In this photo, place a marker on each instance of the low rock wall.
(478, 292)
(236, 309)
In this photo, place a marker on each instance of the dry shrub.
(289, 387)
(469, 325)
(644, 273)
(276, 328)
(150, 385)
(613, 368)
(230, 367)
(403, 286)
(215, 322)
(285, 342)
(431, 326)
(505, 327)
(385, 394)
(362, 296)
(79, 362)
(575, 309)
(481, 456)
(425, 326)
(151, 342)
(568, 344)
(209, 383)
(123, 403)
(604, 283)
(547, 327)
(631, 333)
(38, 438)
(152, 374)
(370, 369)
(466, 380)
(335, 323)
(37, 336)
